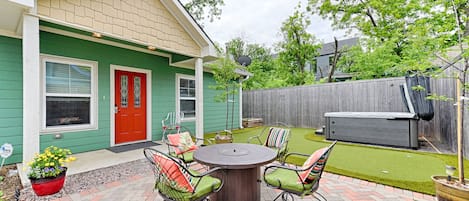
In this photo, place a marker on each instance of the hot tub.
(382, 128)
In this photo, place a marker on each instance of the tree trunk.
(466, 29)
(334, 61)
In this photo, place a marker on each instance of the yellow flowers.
(50, 163)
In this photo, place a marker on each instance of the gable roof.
(191, 26)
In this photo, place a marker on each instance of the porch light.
(450, 171)
(96, 35)
(152, 48)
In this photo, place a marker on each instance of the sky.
(259, 21)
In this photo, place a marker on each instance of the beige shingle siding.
(146, 21)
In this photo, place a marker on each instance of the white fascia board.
(191, 27)
(24, 3)
(209, 53)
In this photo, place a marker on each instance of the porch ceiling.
(11, 20)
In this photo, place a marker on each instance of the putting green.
(406, 169)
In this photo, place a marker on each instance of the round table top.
(235, 155)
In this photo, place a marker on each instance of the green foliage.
(1, 195)
(400, 36)
(236, 47)
(418, 88)
(202, 9)
(297, 48)
(225, 77)
(50, 163)
(434, 96)
(2, 178)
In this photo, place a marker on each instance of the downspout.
(241, 100)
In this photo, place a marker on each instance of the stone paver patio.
(333, 187)
(103, 175)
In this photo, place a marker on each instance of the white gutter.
(241, 100)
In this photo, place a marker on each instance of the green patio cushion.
(188, 157)
(288, 179)
(279, 151)
(205, 187)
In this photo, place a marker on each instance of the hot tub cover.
(379, 115)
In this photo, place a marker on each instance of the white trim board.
(112, 102)
(178, 103)
(93, 125)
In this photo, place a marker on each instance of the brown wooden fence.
(304, 106)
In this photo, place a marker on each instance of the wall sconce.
(96, 35)
(152, 48)
(450, 171)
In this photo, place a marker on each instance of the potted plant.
(47, 170)
(226, 78)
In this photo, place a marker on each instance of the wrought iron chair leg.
(292, 198)
(284, 196)
(324, 198)
(279, 195)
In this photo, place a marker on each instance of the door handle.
(116, 109)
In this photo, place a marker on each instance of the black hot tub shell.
(382, 128)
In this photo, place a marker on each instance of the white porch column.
(31, 87)
(199, 98)
(240, 97)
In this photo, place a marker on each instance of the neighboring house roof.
(451, 57)
(243, 72)
(329, 48)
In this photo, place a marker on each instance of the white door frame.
(113, 96)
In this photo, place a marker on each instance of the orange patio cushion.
(316, 156)
(182, 141)
(179, 179)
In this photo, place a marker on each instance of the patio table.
(242, 164)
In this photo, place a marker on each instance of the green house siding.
(163, 90)
(215, 112)
(11, 99)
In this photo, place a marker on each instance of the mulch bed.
(10, 184)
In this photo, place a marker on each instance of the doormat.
(129, 147)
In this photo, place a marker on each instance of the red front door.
(130, 107)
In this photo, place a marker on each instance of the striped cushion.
(277, 137)
(183, 141)
(310, 174)
(174, 174)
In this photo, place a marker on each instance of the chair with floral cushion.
(277, 138)
(181, 145)
(300, 181)
(176, 182)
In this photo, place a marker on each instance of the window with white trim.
(69, 94)
(186, 95)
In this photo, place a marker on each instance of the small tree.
(224, 73)
(297, 48)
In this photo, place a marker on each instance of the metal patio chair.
(182, 145)
(277, 138)
(175, 182)
(172, 122)
(301, 181)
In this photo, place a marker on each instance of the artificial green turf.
(407, 169)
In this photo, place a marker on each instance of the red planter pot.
(48, 186)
